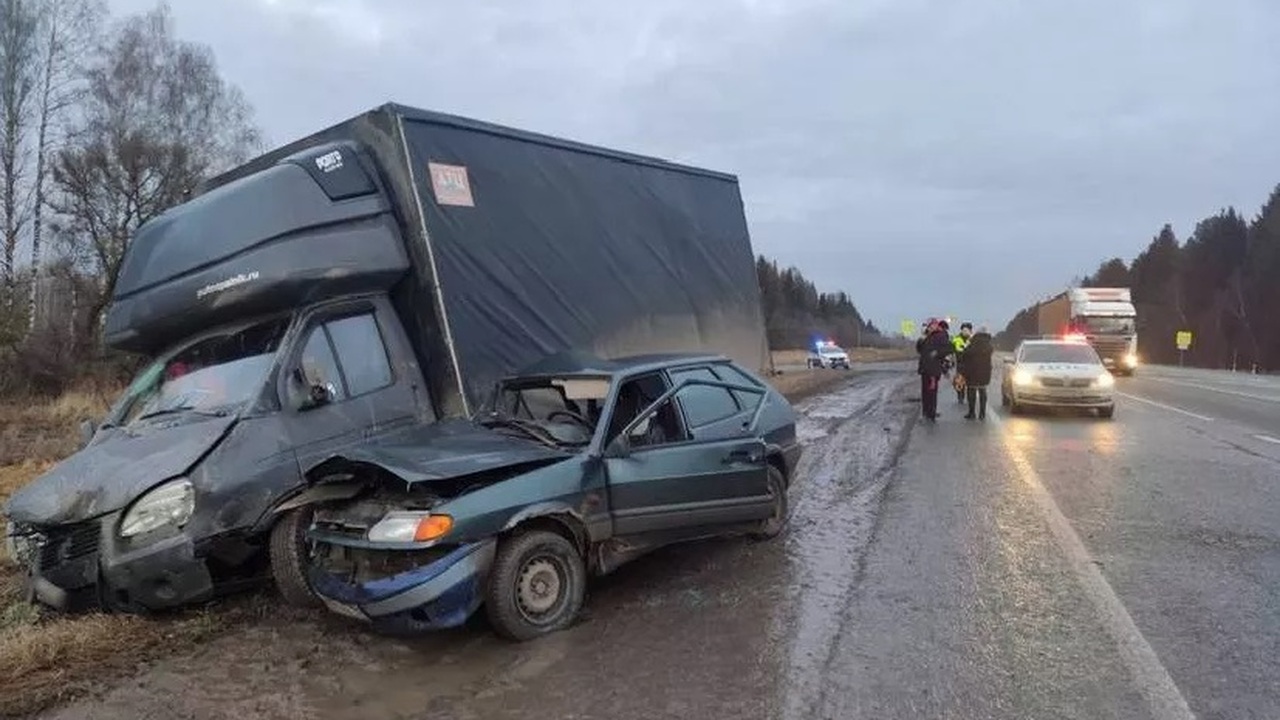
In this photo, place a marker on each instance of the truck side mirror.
(88, 429)
(317, 396)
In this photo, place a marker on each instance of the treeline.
(796, 313)
(1222, 284)
(104, 123)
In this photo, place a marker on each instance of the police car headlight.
(170, 503)
(1023, 377)
(1105, 380)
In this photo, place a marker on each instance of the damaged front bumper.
(85, 565)
(440, 594)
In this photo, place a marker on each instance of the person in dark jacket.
(977, 371)
(933, 348)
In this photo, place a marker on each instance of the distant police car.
(828, 355)
(1058, 372)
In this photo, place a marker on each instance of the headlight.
(402, 526)
(168, 504)
(1023, 377)
(1131, 360)
(18, 547)
(1105, 380)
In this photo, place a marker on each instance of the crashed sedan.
(571, 469)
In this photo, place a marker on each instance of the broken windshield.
(212, 375)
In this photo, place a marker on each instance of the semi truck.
(1104, 317)
(384, 272)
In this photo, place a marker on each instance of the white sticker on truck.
(227, 284)
(451, 184)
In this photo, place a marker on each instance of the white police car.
(828, 355)
(1057, 373)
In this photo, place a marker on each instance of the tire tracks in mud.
(855, 438)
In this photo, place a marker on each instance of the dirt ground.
(47, 660)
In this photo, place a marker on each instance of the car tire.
(287, 550)
(525, 565)
(1107, 413)
(777, 520)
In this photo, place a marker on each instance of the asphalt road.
(1028, 567)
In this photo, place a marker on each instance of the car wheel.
(537, 585)
(1107, 413)
(777, 520)
(288, 554)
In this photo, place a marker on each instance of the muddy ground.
(719, 629)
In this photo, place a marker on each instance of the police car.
(826, 354)
(1061, 372)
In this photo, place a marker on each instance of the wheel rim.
(541, 589)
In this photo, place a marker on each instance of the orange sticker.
(450, 184)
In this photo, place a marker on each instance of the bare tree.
(66, 37)
(18, 23)
(156, 120)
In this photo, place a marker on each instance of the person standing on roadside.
(960, 342)
(933, 348)
(977, 369)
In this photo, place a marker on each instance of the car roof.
(583, 363)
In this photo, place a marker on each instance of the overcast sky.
(945, 157)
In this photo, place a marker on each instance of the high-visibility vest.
(959, 343)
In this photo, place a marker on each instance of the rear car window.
(702, 404)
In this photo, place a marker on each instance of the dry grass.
(783, 358)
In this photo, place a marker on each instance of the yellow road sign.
(1183, 339)
(909, 328)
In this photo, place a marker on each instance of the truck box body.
(514, 245)
(1054, 315)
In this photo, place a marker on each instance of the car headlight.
(1105, 380)
(1023, 377)
(17, 546)
(1131, 360)
(170, 503)
(402, 526)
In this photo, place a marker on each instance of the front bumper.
(1077, 398)
(86, 565)
(440, 594)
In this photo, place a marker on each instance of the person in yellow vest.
(961, 341)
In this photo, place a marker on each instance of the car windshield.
(566, 409)
(1060, 353)
(1107, 325)
(212, 375)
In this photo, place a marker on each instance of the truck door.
(341, 386)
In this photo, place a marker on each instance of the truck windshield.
(1107, 325)
(1060, 353)
(212, 375)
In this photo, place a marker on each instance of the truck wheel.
(288, 553)
(537, 585)
(773, 526)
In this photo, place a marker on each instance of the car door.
(342, 351)
(666, 477)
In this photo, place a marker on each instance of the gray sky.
(953, 156)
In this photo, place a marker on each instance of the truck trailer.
(1105, 317)
(384, 272)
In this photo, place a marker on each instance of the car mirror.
(317, 396)
(88, 429)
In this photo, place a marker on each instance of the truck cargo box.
(512, 245)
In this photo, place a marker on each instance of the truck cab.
(1107, 320)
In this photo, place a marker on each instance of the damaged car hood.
(111, 472)
(443, 450)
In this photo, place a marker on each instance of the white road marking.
(1268, 438)
(1170, 408)
(1224, 391)
(1153, 680)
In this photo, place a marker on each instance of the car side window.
(661, 427)
(733, 374)
(703, 404)
(361, 352)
